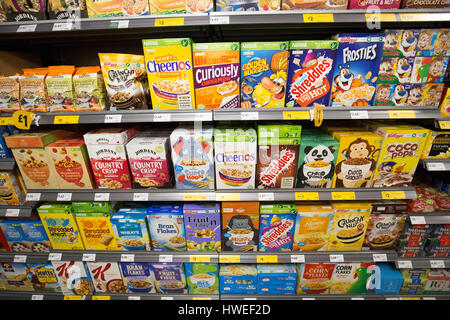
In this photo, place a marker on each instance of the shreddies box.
(310, 72)
(264, 68)
(276, 229)
(356, 71)
(169, 69)
(216, 75)
(202, 226)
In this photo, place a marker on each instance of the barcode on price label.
(336, 258)
(33, 197)
(113, 118)
(437, 264)
(250, 115)
(127, 258)
(12, 212)
(161, 117)
(140, 196)
(66, 196)
(165, 258)
(265, 196)
(88, 257)
(404, 264)
(101, 197)
(360, 114)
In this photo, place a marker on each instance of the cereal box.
(392, 94)
(349, 226)
(351, 278)
(356, 71)
(35, 236)
(438, 145)
(109, 8)
(15, 277)
(240, 226)
(202, 278)
(263, 74)
(60, 10)
(96, 230)
(436, 282)
(247, 5)
(4, 246)
(73, 277)
(438, 66)
(400, 43)
(381, 4)
(421, 69)
(11, 190)
(150, 161)
(9, 94)
(425, 43)
(314, 278)
(400, 153)
(202, 226)
(395, 70)
(138, 277)
(238, 278)
(89, 89)
(130, 229)
(216, 75)
(444, 104)
(169, 277)
(235, 157)
(276, 229)
(415, 96)
(276, 279)
(14, 235)
(432, 94)
(108, 157)
(384, 230)
(312, 225)
(192, 156)
(43, 277)
(442, 46)
(33, 91)
(314, 4)
(17, 10)
(60, 88)
(310, 72)
(425, 4)
(60, 225)
(414, 280)
(106, 277)
(166, 227)
(169, 69)
(413, 239)
(168, 6)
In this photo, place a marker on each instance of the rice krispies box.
(356, 71)
(310, 71)
(264, 67)
(400, 43)
(392, 94)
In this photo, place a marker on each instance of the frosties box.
(310, 72)
(264, 68)
(400, 43)
(356, 72)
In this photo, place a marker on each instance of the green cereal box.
(202, 278)
(93, 207)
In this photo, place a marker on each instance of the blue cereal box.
(400, 43)
(130, 230)
(425, 43)
(356, 71)
(36, 236)
(395, 70)
(311, 65)
(264, 67)
(238, 278)
(392, 94)
(276, 229)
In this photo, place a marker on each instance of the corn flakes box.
(106, 277)
(310, 72)
(314, 278)
(425, 43)
(400, 43)
(247, 5)
(277, 226)
(438, 66)
(349, 226)
(43, 277)
(216, 75)
(415, 96)
(202, 278)
(167, 6)
(400, 153)
(350, 278)
(395, 70)
(73, 277)
(442, 46)
(356, 72)
(170, 73)
(202, 226)
(264, 67)
(15, 277)
(392, 94)
(432, 94)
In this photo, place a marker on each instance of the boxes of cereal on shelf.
(202, 278)
(264, 68)
(59, 223)
(444, 104)
(247, 5)
(421, 69)
(14, 235)
(35, 236)
(169, 69)
(413, 239)
(310, 72)
(395, 70)
(43, 277)
(106, 277)
(138, 277)
(130, 229)
(167, 6)
(392, 94)
(441, 46)
(33, 91)
(60, 88)
(351, 278)
(15, 277)
(240, 226)
(216, 75)
(432, 94)
(436, 282)
(169, 277)
(238, 278)
(166, 227)
(235, 157)
(314, 278)
(89, 89)
(314, 4)
(384, 230)
(12, 191)
(311, 227)
(106, 148)
(111, 8)
(4, 246)
(192, 156)
(425, 43)
(60, 10)
(349, 226)
(276, 229)
(202, 226)
(400, 43)
(276, 278)
(415, 95)
(438, 66)
(414, 280)
(356, 70)
(73, 277)
(9, 94)
(382, 4)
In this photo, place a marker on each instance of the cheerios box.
(356, 71)
(170, 72)
(264, 67)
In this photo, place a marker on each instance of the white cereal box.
(73, 277)
(106, 277)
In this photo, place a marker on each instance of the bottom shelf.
(336, 297)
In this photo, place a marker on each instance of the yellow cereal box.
(349, 226)
(170, 73)
(96, 231)
(445, 103)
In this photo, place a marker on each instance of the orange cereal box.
(216, 75)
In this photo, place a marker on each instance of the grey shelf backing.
(7, 164)
(16, 211)
(437, 164)
(423, 262)
(429, 217)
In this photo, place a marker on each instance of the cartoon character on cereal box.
(442, 44)
(392, 94)
(415, 97)
(432, 94)
(356, 69)
(437, 69)
(408, 43)
(425, 43)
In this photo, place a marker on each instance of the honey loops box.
(216, 75)
(202, 226)
(310, 71)
(276, 227)
(106, 277)
(170, 73)
(264, 67)
(400, 43)
(202, 278)
(73, 277)
(392, 94)
(356, 71)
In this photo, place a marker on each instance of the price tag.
(64, 196)
(265, 196)
(72, 297)
(404, 264)
(379, 257)
(5, 121)
(300, 196)
(359, 114)
(101, 197)
(166, 298)
(415, 17)
(113, 118)
(62, 26)
(336, 258)
(127, 257)
(444, 124)
(134, 297)
(37, 297)
(219, 20)
(88, 257)
(297, 258)
(296, 115)
(249, 115)
(119, 24)
(66, 119)
(417, 219)
(438, 264)
(54, 256)
(203, 116)
(169, 22)
(101, 298)
(409, 298)
(22, 119)
(435, 166)
(230, 259)
(357, 298)
(228, 196)
(27, 28)
(267, 259)
(140, 196)
(194, 258)
(308, 298)
(390, 195)
(201, 298)
(392, 298)
(319, 17)
(250, 298)
(165, 258)
(402, 114)
(385, 17)
(33, 197)
(12, 212)
(428, 298)
(161, 117)
(343, 195)
(194, 197)
(20, 258)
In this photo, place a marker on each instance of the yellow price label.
(384, 17)
(300, 196)
(267, 259)
(390, 195)
(318, 17)
(72, 297)
(199, 259)
(101, 298)
(347, 195)
(5, 121)
(444, 124)
(194, 197)
(409, 298)
(228, 197)
(230, 259)
(402, 114)
(22, 119)
(414, 17)
(296, 115)
(201, 298)
(166, 22)
(66, 119)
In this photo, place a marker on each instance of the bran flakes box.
(264, 68)
(356, 72)
(138, 277)
(216, 75)
(310, 72)
(276, 229)
(170, 73)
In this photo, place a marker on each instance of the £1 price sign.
(22, 119)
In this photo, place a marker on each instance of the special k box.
(216, 75)
(170, 73)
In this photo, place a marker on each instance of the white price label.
(161, 117)
(140, 196)
(438, 264)
(357, 298)
(250, 115)
(127, 257)
(308, 298)
(101, 197)
(20, 258)
(134, 298)
(336, 258)
(37, 297)
(435, 166)
(62, 26)
(33, 197)
(88, 257)
(404, 264)
(428, 298)
(166, 298)
(121, 24)
(379, 257)
(265, 196)
(417, 219)
(203, 116)
(113, 118)
(392, 298)
(66, 196)
(12, 212)
(297, 258)
(165, 258)
(54, 256)
(359, 114)
(219, 19)
(250, 298)
(27, 28)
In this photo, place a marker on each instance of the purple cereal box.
(202, 226)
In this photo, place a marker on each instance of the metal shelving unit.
(422, 262)
(16, 211)
(437, 164)
(36, 296)
(336, 297)
(429, 217)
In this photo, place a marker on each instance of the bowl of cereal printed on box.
(169, 91)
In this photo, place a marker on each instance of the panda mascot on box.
(312, 154)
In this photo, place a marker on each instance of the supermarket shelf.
(437, 164)
(423, 262)
(7, 164)
(16, 211)
(429, 217)
(335, 297)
